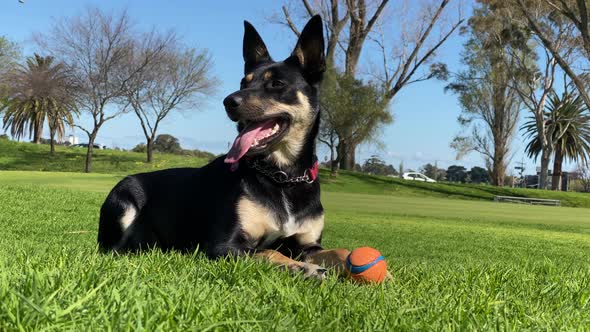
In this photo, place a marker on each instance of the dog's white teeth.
(274, 129)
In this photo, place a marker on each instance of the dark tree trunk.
(340, 150)
(557, 165)
(351, 157)
(334, 168)
(357, 35)
(543, 177)
(331, 154)
(52, 142)
(498, 168)
(330, 47)
(499, 126)
(337, 162)
(353, 54)
(91, 138)
(346, 157)
(150, 150)
(333, 162)
(37, 133)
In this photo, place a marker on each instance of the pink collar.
(313, 171)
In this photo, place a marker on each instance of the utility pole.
(520, 167)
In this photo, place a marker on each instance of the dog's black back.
(224, 210)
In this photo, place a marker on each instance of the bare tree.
(553, 25)
(175, 81)
(583, 177)
(549, 20)
(403, 59)
(533, 92)
(361, 24)
(490, 105)
(9, 55)
(404, 62)
(361, 20)
(96, 46)
(335, 21)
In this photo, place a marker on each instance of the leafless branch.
(290, 22)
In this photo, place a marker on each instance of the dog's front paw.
(314, 271)
(388, 276)
(310, 270)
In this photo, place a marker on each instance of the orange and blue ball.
(366, 265)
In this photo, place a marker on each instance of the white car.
(415, 176)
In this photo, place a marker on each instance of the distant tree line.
(455, 173)
(165, 143)
(374, 165)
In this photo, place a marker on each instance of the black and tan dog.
(270, 205)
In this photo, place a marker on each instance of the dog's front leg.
(309, 270)
(334, 259)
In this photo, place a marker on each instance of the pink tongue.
(245, 139)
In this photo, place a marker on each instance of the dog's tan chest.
(258, 223)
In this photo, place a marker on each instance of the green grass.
(457, 265)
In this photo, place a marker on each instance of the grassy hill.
(368, 184)
(34, 157)
(112, 165)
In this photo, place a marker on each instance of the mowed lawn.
(457, 264)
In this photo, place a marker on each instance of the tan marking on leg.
(255, 219)
(309, 270)
(332, 258)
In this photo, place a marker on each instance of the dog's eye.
(277, 84)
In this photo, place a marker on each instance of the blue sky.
(425, 117)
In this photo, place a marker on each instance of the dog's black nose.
(232, 102)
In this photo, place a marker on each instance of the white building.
(73, 139)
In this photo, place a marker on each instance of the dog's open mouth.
(257, 136)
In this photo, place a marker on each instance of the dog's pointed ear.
(309, 51)
(254, 50)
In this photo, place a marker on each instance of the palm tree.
(39, 91)
(25, 114)
(568, 122)
(58, 115)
